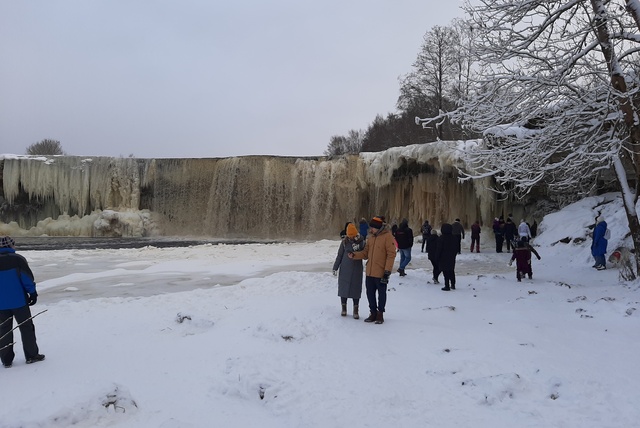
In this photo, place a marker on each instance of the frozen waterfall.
(249, 196)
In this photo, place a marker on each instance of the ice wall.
(250, 196)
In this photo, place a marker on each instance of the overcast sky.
(203, 78)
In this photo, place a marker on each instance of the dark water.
(88, 243)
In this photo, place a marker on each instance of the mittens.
(33, 298)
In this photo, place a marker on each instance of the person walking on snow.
(350, 276)
(364, 228)
(522, 256)
(524, 231)
(599, 244)
(17, 293)
(426, 231)
(432, 254)
(510, 233)
(404, 238)
(475, 236)
(447, 251)
(380, 253)
(458, 232)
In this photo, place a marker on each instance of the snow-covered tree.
(560, 78)
(433, 71)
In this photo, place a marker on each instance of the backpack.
(607, 234)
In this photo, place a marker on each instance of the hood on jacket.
(446, 229)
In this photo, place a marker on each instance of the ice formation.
(256, 196)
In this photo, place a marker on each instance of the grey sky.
(198, 78)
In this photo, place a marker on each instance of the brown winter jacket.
(380, 253)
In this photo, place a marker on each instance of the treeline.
(438, 80)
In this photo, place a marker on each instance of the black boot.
(445, 288)
(379, 318)
(344, 310)
(372, 317)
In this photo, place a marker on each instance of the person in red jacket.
(17, 293)
(522, 256)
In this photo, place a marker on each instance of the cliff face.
(251, 196)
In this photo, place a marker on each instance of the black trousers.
(27, 332)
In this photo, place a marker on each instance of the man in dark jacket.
(458, 233)
(432, 250)
(404, 238)
(380, 253)
(447, 252)
(510, 232)
(426, 231)
(17, 293)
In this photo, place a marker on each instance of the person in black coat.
(510, 232)
(447, 252)
(404, 239)
(432, 253)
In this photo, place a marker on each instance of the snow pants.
(27, 332)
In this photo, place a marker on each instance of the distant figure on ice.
(447, 252)
(380, 251)
(404, 238)
(510, 233)
(475, 236)
(522, 256)
(523, 231)
(426, 231)
(599, 244)
(432, 254)
(498, 231)
(17, 293)
(534, 229)
(364, 228)
(458, 232)
(350, 277)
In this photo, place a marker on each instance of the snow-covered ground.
(251, 335)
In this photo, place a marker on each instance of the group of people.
(507, 232)
(382, 242)
(379, 248)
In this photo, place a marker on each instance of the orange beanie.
(352, 232)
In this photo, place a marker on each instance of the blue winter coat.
(16, 279)
(599, 244)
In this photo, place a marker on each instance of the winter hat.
(376, 222)
(352, 232)
(7, 242)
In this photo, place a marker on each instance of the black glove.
(33, 298)
(385, 277)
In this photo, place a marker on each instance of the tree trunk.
(630, 118)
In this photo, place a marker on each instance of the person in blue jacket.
(17, 293)
(599, 244)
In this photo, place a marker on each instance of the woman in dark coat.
(350, 276)
(432, 253)
(447, 252)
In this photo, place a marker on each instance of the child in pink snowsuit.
(522, 256)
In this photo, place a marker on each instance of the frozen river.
(162, 267)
